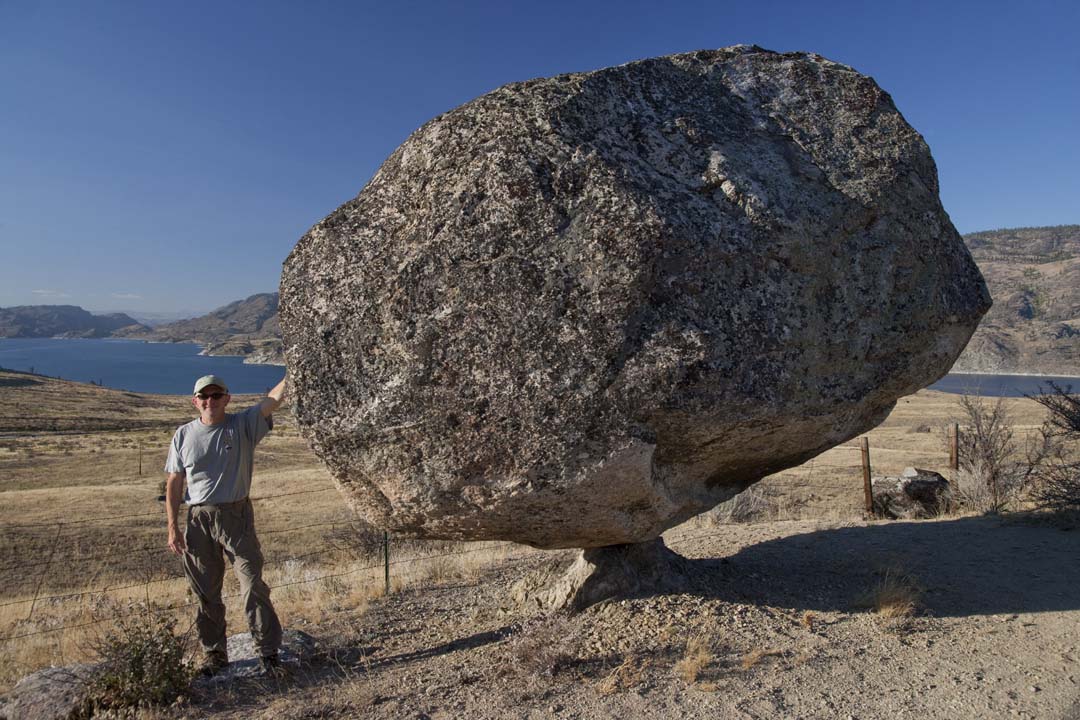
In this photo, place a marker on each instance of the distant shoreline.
(1015, 374)
(202, 348)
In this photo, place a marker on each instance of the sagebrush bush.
(1057, 487)
(751, 505)
(142, 662)
(994, 467)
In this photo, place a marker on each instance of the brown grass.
(629, 675)
(895, 596)
(755, 656)
(695, 659)
(71, 452)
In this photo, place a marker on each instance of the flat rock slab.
(578, 310)
(297, 647)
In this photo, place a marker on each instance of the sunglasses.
(208, 396)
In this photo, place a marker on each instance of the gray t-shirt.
(217, 459)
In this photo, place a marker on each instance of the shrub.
(894, 598)
(142, 663)
(697, 657)
(751, 505)
(1057, 486)
(993, 467)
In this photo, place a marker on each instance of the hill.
(247, 327)
(1034, 277)
(1034, 326)
(33, 321)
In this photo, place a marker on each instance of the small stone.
(915, 494)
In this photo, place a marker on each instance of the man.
(209, 466)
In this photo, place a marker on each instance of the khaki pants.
(213, 530)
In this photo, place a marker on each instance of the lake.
(1001, 385)
(161, 368)
(171, 368)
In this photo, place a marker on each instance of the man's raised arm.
(174, 493)
(274, 398)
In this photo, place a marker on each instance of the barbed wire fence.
(42, 566)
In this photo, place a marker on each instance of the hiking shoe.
(271, 666)
(213, 666)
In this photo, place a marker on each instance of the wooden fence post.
(954, 448)
(386, 561)
(867, 489)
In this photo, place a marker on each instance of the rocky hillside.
(1034, 277)
(246, 327)
(71, 321)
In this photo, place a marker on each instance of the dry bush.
(751, 505)
(972, 490)
(628, 675)
(142, 662)
(994, 468)
(1057, 486)
(895, 596)
(357, 540)
(697, 657)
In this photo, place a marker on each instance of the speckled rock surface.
(50, 694)
(578, 310)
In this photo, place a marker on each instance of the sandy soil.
(775, 627)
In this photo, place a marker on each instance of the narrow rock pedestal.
(605, 573)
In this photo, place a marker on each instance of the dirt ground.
(810, 614)
(777, 626)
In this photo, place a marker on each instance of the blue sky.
(167, 156)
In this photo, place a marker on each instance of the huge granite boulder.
(579, 310)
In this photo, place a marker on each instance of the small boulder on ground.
(914, 494)
(56, 692)
(50, 694)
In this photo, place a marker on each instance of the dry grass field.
(804, 613)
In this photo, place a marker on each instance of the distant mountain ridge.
(70, 321)
(247, 327)
(1034, 326)
(1034, 278)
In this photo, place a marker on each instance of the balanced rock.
(577, 311)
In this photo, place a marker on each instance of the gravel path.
(777, 626)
